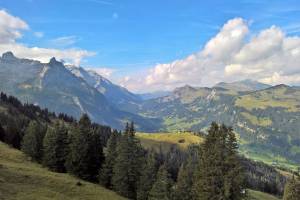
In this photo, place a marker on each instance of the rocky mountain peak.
(8, 56)
(53, 61)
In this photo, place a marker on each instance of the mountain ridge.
(53, 86)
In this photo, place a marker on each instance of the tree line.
(117, 160)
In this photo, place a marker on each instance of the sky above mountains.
(160, 45)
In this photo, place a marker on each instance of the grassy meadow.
(21, 179)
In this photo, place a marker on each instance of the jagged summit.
(53, 61)
(8, 56)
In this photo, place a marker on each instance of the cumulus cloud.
(105, 72)
(11, 28)
(270, 56)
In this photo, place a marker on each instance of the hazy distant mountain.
(117, 95)
(267, 120)
(244, 85)
(53, 86)
(153, 95)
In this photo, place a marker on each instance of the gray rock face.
(53, 86)
(117, 95)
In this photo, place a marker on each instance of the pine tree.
(219, 175)
(210, 180)
(127, 168)
(183, 189)
(106, 172)
(55, 148)
(85, 151)
(234, 178)
(161, 189)
(33, 141)
(148, 176)
(292, 190)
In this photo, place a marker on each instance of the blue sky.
(129, 36)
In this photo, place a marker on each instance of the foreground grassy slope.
(256, 195)
(21, 179)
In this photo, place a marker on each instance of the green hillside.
(267, 120)
(256, 195)
(166, 140)
(21, 179)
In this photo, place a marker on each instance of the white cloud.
(105, 72)
(64, 41)
(269, 56)
(38, 34)
(11, 28)
(73, 56)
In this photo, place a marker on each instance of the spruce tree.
(32, 144)
(106, 172)
(219, 175)
(210, 180)
(85, 151)
(184, 184)
(55, 148)
(162, 187)
(148, 176)
(127, 168)
(234, 178)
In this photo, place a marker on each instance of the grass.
(270, 159)
(256, 195)
(257, 121)
(174, 123)
(270, 98)
(166, 140)
(21, 179)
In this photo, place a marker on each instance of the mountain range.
(60, 89)
(266, 118)
(267, 121)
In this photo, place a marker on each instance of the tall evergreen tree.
(33, 141)
(210, 179)
(184, 184)
(127, 168)
(162, 187)
(148, 176)
(56, 147)
(106, 172)
(234, 178)
(85, 151)
(219, 175)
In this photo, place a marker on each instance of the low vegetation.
(166, 140)
(21, 179)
